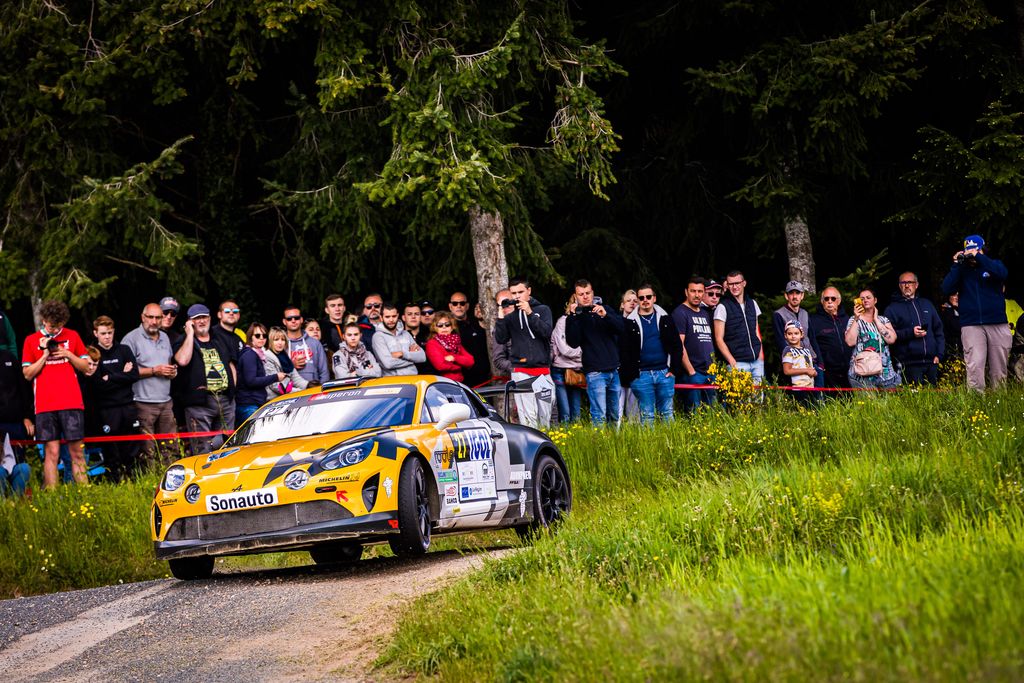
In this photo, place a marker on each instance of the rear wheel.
(552, 497)
(336, 553)
(413, 511)
(192, 568)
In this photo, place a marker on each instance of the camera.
(505, 303)
(968, 259)
(51, 345)
(584, 309)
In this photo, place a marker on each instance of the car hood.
(262, 456)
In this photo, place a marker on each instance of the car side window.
(479, 409)
(439, 394)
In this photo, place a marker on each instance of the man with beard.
(209, 386)
(395, 348)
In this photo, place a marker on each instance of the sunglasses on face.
(258, 335)
(293, 317)
(459, 303)
(440, 325)
(645, 297)
(169, 314)
(371, 305)
(830, 298)
(715, 294)
(429, 311)
(232, 310)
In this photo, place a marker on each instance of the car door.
(469, 459)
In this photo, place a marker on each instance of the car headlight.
(347, 455)
(192, 493)
(296, 479)
(173, 478)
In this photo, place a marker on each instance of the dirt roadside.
(295, 624)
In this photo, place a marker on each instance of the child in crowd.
(797, 362)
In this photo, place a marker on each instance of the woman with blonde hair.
(444, 348)
(276, 359)
(566, 360)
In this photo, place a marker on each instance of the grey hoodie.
(315, 369)
(385, 342)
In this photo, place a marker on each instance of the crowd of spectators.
(202, 373)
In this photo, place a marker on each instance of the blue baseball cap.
(197, 310)
(974, 242)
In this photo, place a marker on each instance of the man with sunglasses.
(737, 334)
(307, 354)
(712, 295)
(228, 314)
(170, 308)
(370, 318)
(650, 352)
(827, 328)
(474, 339)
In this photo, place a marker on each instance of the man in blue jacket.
(920, 339)
(984, 329)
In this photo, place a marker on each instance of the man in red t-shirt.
(49, 359)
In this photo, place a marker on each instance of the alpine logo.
(241, 500)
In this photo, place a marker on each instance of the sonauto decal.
(242, 500)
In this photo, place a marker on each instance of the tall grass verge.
(877, 537)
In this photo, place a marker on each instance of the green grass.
(877, 538)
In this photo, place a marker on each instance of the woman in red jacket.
(444, 348)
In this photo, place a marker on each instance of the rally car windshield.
(335, 411)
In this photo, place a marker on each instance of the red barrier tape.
(131, 437)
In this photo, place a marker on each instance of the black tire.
(552, 496)
(413, 536)
(192, 568)
(336, 553)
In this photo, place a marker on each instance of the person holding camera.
(984, 328)
(50, 358)
(353, 359)
(595, 329)
(526, 324)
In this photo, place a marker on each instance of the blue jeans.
(603, 391)
(569, 398)
(242, 413)
(654, 390)
(755, 368)
(16, 482)
(693, 398)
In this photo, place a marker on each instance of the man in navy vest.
(737, 336)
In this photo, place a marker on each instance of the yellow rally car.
(330, 469)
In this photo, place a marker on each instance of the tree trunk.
(800, 252)
(487, 232)
(35, 295)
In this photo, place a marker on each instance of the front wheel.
(413, 537)
(552, 496)
(192, 568)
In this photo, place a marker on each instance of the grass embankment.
(880, 538)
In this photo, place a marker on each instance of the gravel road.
(296, 624)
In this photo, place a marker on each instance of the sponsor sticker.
(168, 501)
(476, 472)
(517, 479)
(388, 483)
(451, 500)
(383, 391)
(451, 490)
(522, 504)
(241, 500)
(472, 444)
(477, 492)
(446, 476)
(350, 476)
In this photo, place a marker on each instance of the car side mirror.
(451, 413)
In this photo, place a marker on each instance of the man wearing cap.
(209, 384)
(920, 342)
(792, 312)
(154, 357)
(984, 329)
(712, 295)
(828, 329)
(170, 308)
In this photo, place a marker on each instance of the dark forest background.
(274, 151)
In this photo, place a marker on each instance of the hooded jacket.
(529, 335)
(315, 369)
(905, 315)
(385, 342)
(981, 290)
(632, 341)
